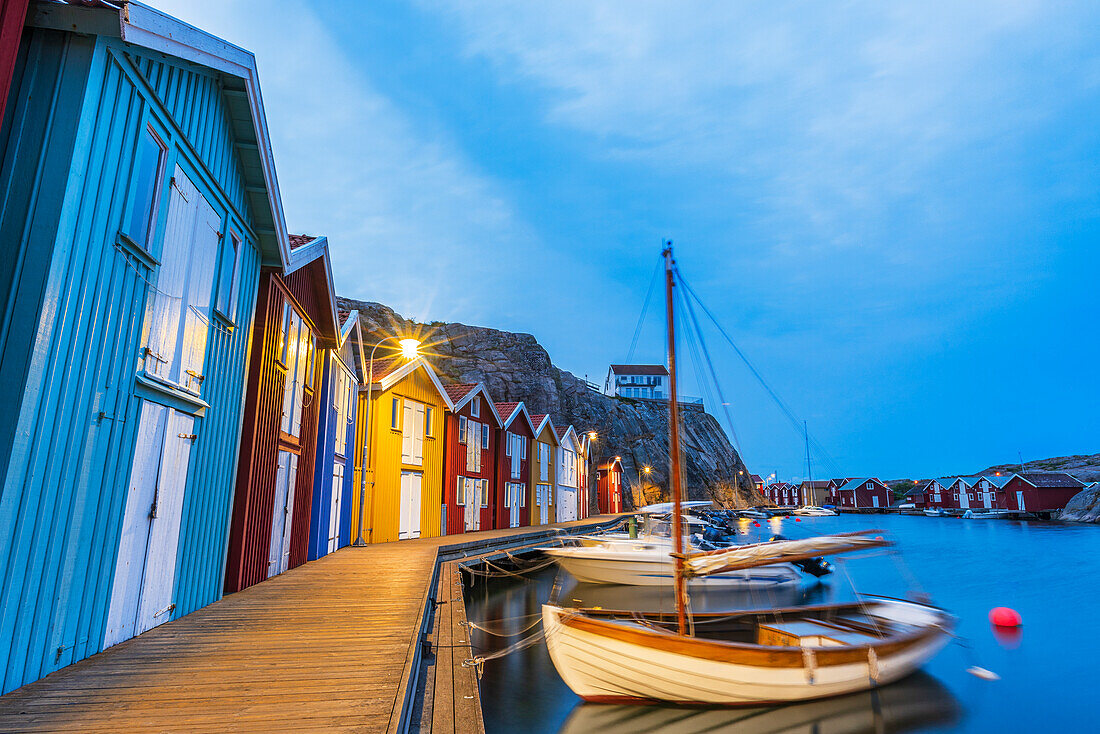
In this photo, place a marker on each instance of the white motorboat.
(811, 511)
(648, 562)
(934, 512)
(754, 514)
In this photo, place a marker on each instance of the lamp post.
(409, 350)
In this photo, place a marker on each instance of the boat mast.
(674, 444)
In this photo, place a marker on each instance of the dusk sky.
(893, 208)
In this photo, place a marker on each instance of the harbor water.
(1046, 571)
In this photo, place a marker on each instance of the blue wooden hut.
(330, 526)
(139, 203)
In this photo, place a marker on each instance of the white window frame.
(484, 493)
(462, 421)
(475, 408)
(460, 491)
(395, 414)
(484, 436)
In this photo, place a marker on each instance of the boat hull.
(659, 570)
(602, 666)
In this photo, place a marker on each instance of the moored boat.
(812, 511)
(743, 659)
(934, 512)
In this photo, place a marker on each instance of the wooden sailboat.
(739, 658)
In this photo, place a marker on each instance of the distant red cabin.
(1040, 491)
(609, 486)
(295, 319)
(864, 493)
(469, 459)
(513, 479)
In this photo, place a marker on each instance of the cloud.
(404, 209)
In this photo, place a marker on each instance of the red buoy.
(798, 519)
(756, 524)
(1005, 617)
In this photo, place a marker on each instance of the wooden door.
(282, 513)
(334, 506)
(964, 497)
(1020, 501)
(409, 521)
(472, 509)
(145, 569)
(515, 492)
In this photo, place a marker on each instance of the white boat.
(648, 562)
(730, 659)
(755, 514)
(751, 658)
(934, 512)
(980, 514)
(811, 511)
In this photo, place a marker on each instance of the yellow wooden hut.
(543, 466)
(404, 450)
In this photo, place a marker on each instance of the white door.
(334, 506)
(964, 497)
(988, 497)
(544, 503)
(472, 509)
(409, 522)
(567, 504)
(1020, 500)
(282, 514)
(145, 570)
(516, 500)
(874, 500)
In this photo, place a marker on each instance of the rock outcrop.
(1083, 467)
(1084, 507)
(515, 367)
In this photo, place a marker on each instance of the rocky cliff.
(1084, 467)
(515, 367)
(1084, 507)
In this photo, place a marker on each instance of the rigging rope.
(645, 308)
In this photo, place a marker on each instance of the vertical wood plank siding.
(383, 511)
(455, 466)
(504, 470)
(326, 458)
(73, 313)
(254, 502)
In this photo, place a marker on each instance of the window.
(508, 444)
(178, 318)
(428, 430)
(412, 433)
(484, 436)
(484, 492)
(229, 273)
(462, 429)
(460, 491)
(475, 408)
(149, 160)
(395, 414)
(298, 360)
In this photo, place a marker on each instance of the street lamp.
(647, 469)
(410, 349)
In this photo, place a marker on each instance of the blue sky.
(892, 207)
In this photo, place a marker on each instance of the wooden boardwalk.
(328, 646)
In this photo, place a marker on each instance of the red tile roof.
(561, 431)
(755, 478)
(457, 392)
(537, 418)
(639, 369)
(506, 409)
(386, 365)
(297, 240)
(1051, 479)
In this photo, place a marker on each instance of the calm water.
(1049, 673)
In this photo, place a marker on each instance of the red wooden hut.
(609, 486)
(295, 317)
(863, 493)
(1040, 491)
(513, 480)
(469, 466)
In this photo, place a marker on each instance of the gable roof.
(639, 369)
(1050, 479)
(307, 250)
(610, 464)
(155, 30)
(349, 324)
(462, 393)
(395, 369)
(539, 421)
(853, 484)
(508, 413)
(563, 432)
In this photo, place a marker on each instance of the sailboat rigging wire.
(645, 308)
(710, 365)
(790, 415)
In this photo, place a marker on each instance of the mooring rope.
(486, 630)
(478, 661)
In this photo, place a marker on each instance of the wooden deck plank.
(328, 646)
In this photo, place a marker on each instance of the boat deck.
(329, 646)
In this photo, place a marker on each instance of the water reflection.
(915, 703)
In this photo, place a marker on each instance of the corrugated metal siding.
(382, 500)
(326, 458)
(65, 483)
(12, 13)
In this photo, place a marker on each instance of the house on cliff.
(637, 381)
(295, 318)
(514, 476)
(141, 201)
(471, 434)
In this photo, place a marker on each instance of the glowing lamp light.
(410, 348)
(591, 435)
(647, 469)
